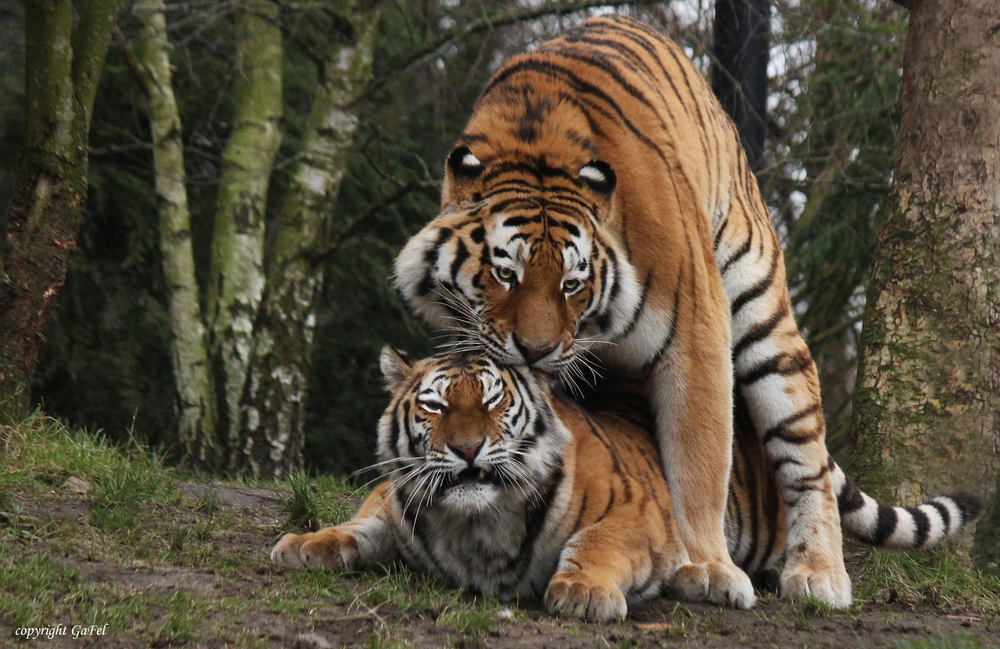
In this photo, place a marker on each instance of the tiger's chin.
(470, 498)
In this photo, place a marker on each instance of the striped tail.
(901, 528)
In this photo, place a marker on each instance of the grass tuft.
(939, 578)
(301, 507)
(473, 621)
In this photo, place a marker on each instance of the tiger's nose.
(467, 451)
(532, 353)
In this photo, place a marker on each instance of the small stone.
(77, 485)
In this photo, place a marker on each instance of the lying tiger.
(499, 484)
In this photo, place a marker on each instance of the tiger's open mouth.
(470, 476)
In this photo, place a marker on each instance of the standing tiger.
(497, 483)
(599, 202)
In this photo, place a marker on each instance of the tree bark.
(927, 401)
(273, 406)
(236, 278)
(62, 70)
(196, 430)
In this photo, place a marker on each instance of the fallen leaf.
(649, 627)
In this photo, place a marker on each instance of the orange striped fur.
(599, 205)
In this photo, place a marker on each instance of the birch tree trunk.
(62, 70)
(236, 278)
(196, 431)
(927, 401)
(273, 406)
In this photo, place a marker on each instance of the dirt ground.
(245, 603)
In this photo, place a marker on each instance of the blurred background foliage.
(832, 128)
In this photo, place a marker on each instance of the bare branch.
(501, 19)
(402, 190)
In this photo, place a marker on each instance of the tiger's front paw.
(577, 596)
(830, 585)
(330, 548)
(716, 582)
(286, 551)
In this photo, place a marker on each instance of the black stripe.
(782, 363)
(736, 256)
(761, 330)
(579, 515)
(673, 327)
(535, 519)
(639, 307)
(539, 170)
(885, 525)
(757, 289)
(472, 138)
(518, 221)
(395, 429)
(944, 513)
(922, 523)
(430, 262)
(569, 227)
(780, 429)
(611, 503)
(777, 463)
(850, 498)
(718, 235)
(734, 517)
(461, 254)
(583, 88)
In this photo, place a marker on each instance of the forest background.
(106, 360)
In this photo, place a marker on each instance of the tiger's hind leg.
(777, 378)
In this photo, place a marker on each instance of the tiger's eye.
(571, 286)
(505, 273)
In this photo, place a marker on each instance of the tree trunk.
(739, 73)
(273, 407)
(62, 70)
(927, 401)
(196, 432)
(236, 278)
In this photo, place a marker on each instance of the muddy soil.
(349, 619)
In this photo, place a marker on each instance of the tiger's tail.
(901, 528)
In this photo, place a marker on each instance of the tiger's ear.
(395, 366)
(599, 176)
(461, 172)
(463, 164)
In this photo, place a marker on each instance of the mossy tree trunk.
(273, 407)
(236, 277)
(63, 67)
(927, 400)
(196, 424)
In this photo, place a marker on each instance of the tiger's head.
(521, 258)
(464, 434)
